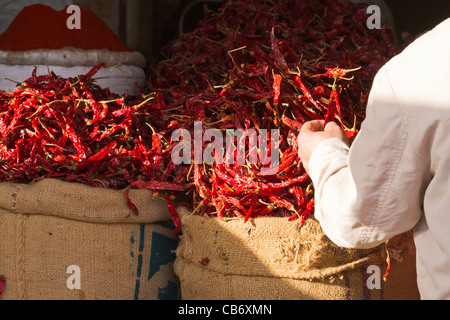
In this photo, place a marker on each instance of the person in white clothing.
(396, 175)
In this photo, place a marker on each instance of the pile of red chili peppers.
(270, 65)
(73, 130)
(254, 64)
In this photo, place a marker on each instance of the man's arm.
(369, 193)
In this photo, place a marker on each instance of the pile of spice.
(270, 65)
(41, 27)
(251, 65)
(73, 130)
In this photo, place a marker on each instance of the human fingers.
(313, 126)
(333, 130)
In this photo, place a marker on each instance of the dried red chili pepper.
(252, 208)
(388, 261)
(159, 185)
(2, 284)
(167, 171)
(332, 108)
(88, 76)
(130, 203)
(291, 123)
(277, 87)
(307, 93)
(279, 58)
(173, 214)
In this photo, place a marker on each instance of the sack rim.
(77, 201)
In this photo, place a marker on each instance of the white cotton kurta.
(396, 175)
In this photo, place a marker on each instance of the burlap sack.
(274, 259)
(68, 241)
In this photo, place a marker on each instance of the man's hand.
(313, 133)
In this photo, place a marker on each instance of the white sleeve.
(371, 192)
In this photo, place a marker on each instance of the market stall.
(120, 164)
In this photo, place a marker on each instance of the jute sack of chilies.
(277, 259)
(68, 241)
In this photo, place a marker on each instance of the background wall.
(417, 16)
(149, 25)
